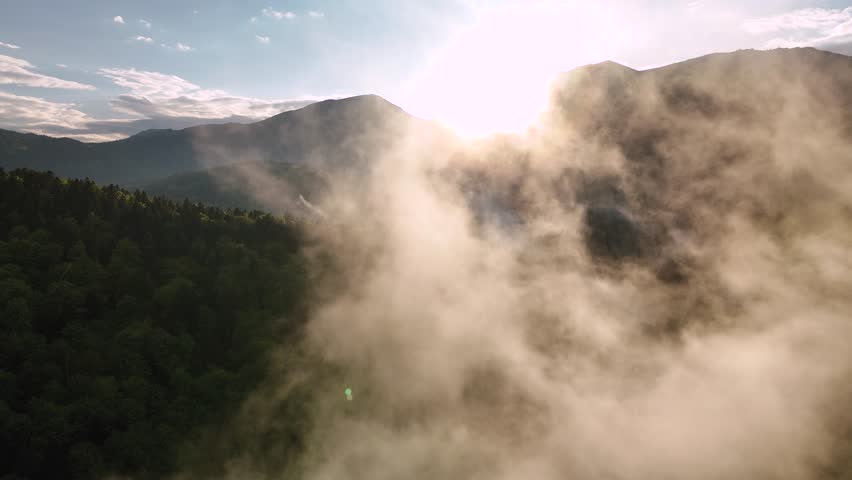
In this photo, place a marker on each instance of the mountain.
(663, 154)
(735, 86)
(731, 105)
(333, 133)
(638, 113)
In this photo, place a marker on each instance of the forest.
(129, 323)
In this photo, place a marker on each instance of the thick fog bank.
(653, 282)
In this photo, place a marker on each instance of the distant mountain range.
(338, 133)
(639, 112)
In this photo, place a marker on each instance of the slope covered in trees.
(231, 187)
(128, 322)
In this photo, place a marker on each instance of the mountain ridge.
(349, 132)
(329, 129)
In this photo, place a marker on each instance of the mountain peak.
(605, 68)
(607, 72)
(609, 66)
(359, 105)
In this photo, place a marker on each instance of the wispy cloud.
(145, 23)
(253, 19)
(61, 65)
(143, 39)
(118, 19)
(818, 27)
(16, 71)
(315, 14)
(179, 46)
(278, 14)
(157, 95)
(262, 39)
(37, 115)
(9, 45)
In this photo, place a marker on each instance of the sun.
(494, 76)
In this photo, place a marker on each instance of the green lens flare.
(348, 393)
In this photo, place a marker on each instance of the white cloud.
(61, 65)
(315, 14)
(817, 27)
(33, 110)
(277, 14)
(37, 115)
(143, 39)
(15, 71)
(182, 47)
(253, 19)
(145, 23)
(262, 39)
(157, 95)
(9, 45)
(118, 19)
(153, 86)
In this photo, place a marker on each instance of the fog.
(651, 282)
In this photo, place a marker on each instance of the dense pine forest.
(128, 322)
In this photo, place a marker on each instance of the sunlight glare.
(495, 75)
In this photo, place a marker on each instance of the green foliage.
(128, 322)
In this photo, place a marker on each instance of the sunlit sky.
(104, 69)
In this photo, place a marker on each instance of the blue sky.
(103, 69)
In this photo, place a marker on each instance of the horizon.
(108, 70)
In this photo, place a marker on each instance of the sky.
(100, 70)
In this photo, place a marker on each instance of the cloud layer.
(156, 95)
(16, 71)
(814, 27)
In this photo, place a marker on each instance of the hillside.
(230, 187)
(132, 324)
